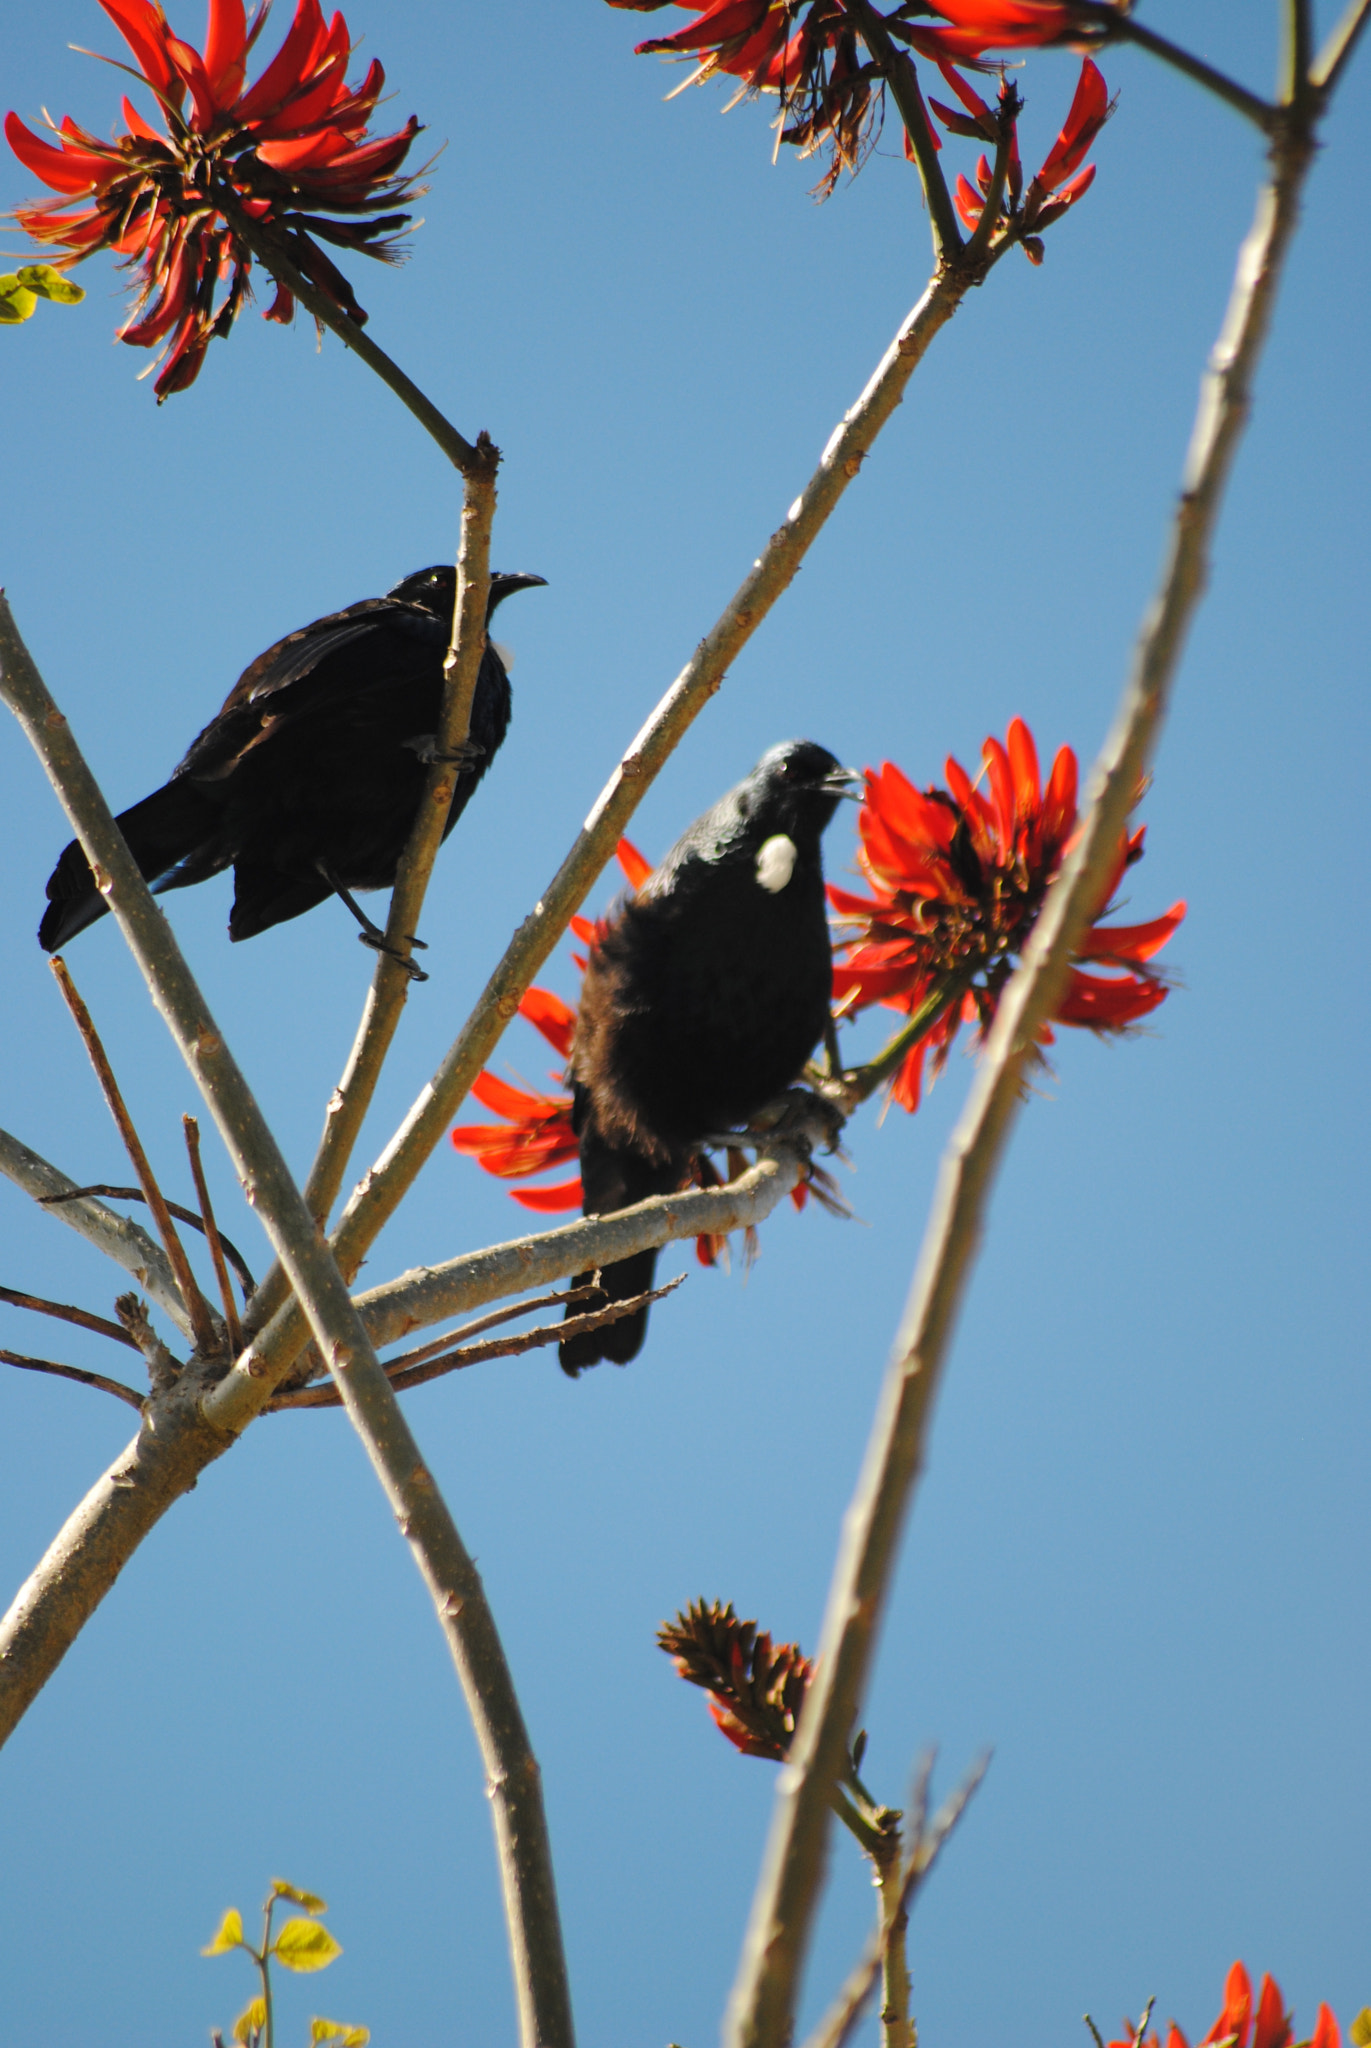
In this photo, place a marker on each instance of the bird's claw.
(377, 943)
(432, 755)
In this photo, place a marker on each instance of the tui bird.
(307, 781)
(701, 1003)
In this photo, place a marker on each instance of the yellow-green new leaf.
(50, 284)
(16, 303)
(251, 2021)
(305, 1945)
(1360, 2029)
(311, 1902)
(334, 2030)
(230, 1934)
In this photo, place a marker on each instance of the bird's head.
(795, 788)
(436, 589)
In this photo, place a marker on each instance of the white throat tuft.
(776, 860)
(506, 655)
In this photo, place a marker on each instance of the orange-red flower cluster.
(536, 1131)
(809, 54)
(1238, 2027)
(958, 876)
(290, 152)
(1060, 182)
(756, 1691)
(804, 51)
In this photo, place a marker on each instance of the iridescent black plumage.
(308, 778)
(702, 1002)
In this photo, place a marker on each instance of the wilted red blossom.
(1234, 2026)
(536, 1131)
(290, 151)
(958, 878)
(804, 51)
(756, 1692)
(1036, 208)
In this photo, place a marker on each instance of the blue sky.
(1137, 1566)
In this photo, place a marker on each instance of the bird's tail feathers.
(612, 1181)
(166, 830)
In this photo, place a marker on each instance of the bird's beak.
(849, 782)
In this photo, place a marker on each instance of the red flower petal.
(65, 169)
(144, 28)
(1088, 114)
(1326, 2033)
(226, 48)
(633, 863)
(1273, 2022)
(564, 1195)
(1131, 941)
(1099, 1005)
(550, 1015)
(1023, 762)
(1059, 804)
(289, 66)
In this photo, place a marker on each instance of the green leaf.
(16, 303)
(305, 1945)
(230, 1934)
(335, 2030)
(50, 284)
(311, 1903)
(1360, 2029)
(250, 2021)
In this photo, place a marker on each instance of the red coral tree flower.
(1054, 189)
(1234, 2027)
(958, 877)
(289, 152)
(804, 51)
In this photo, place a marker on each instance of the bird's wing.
(260, 695)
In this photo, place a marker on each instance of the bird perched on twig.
(701, 1002)
(306, 782)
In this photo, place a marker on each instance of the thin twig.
(390, 986)
(470, 1331)
(842, 2016)
(264, 246)
(417, 1300)
(212, 1238)
(1126, 28)
(80, 1316)
(458, 1596)
(326, 1395)
(897, 68)
(164, 1369)
(74, 1372)
(118, 1237)
(783, 1908)
(201, 1315)
(1333, 58)
(178, 1210)
(1297, 49)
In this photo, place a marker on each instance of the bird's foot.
(802, 1118)
(425, 745)
(376, 939)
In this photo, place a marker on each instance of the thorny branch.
(456, 1590)
(763, 1998)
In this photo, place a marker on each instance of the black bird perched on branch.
(307, 781)
(702, 1002)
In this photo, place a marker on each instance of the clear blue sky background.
(1138, 1563)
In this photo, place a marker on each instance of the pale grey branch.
(760, 2012)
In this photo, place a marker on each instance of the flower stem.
(459, 451)
(897, 66)
(761, 2010)
(1127, 29)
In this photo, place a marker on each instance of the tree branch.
(447, 1569)
(83, 1319)
(201, 1316)
(118, 1237)
(763, 1999)
(1336, 53)
(269, 253)
(897, 68)
(74, 1372)
(1126, 28)
(390, 987)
